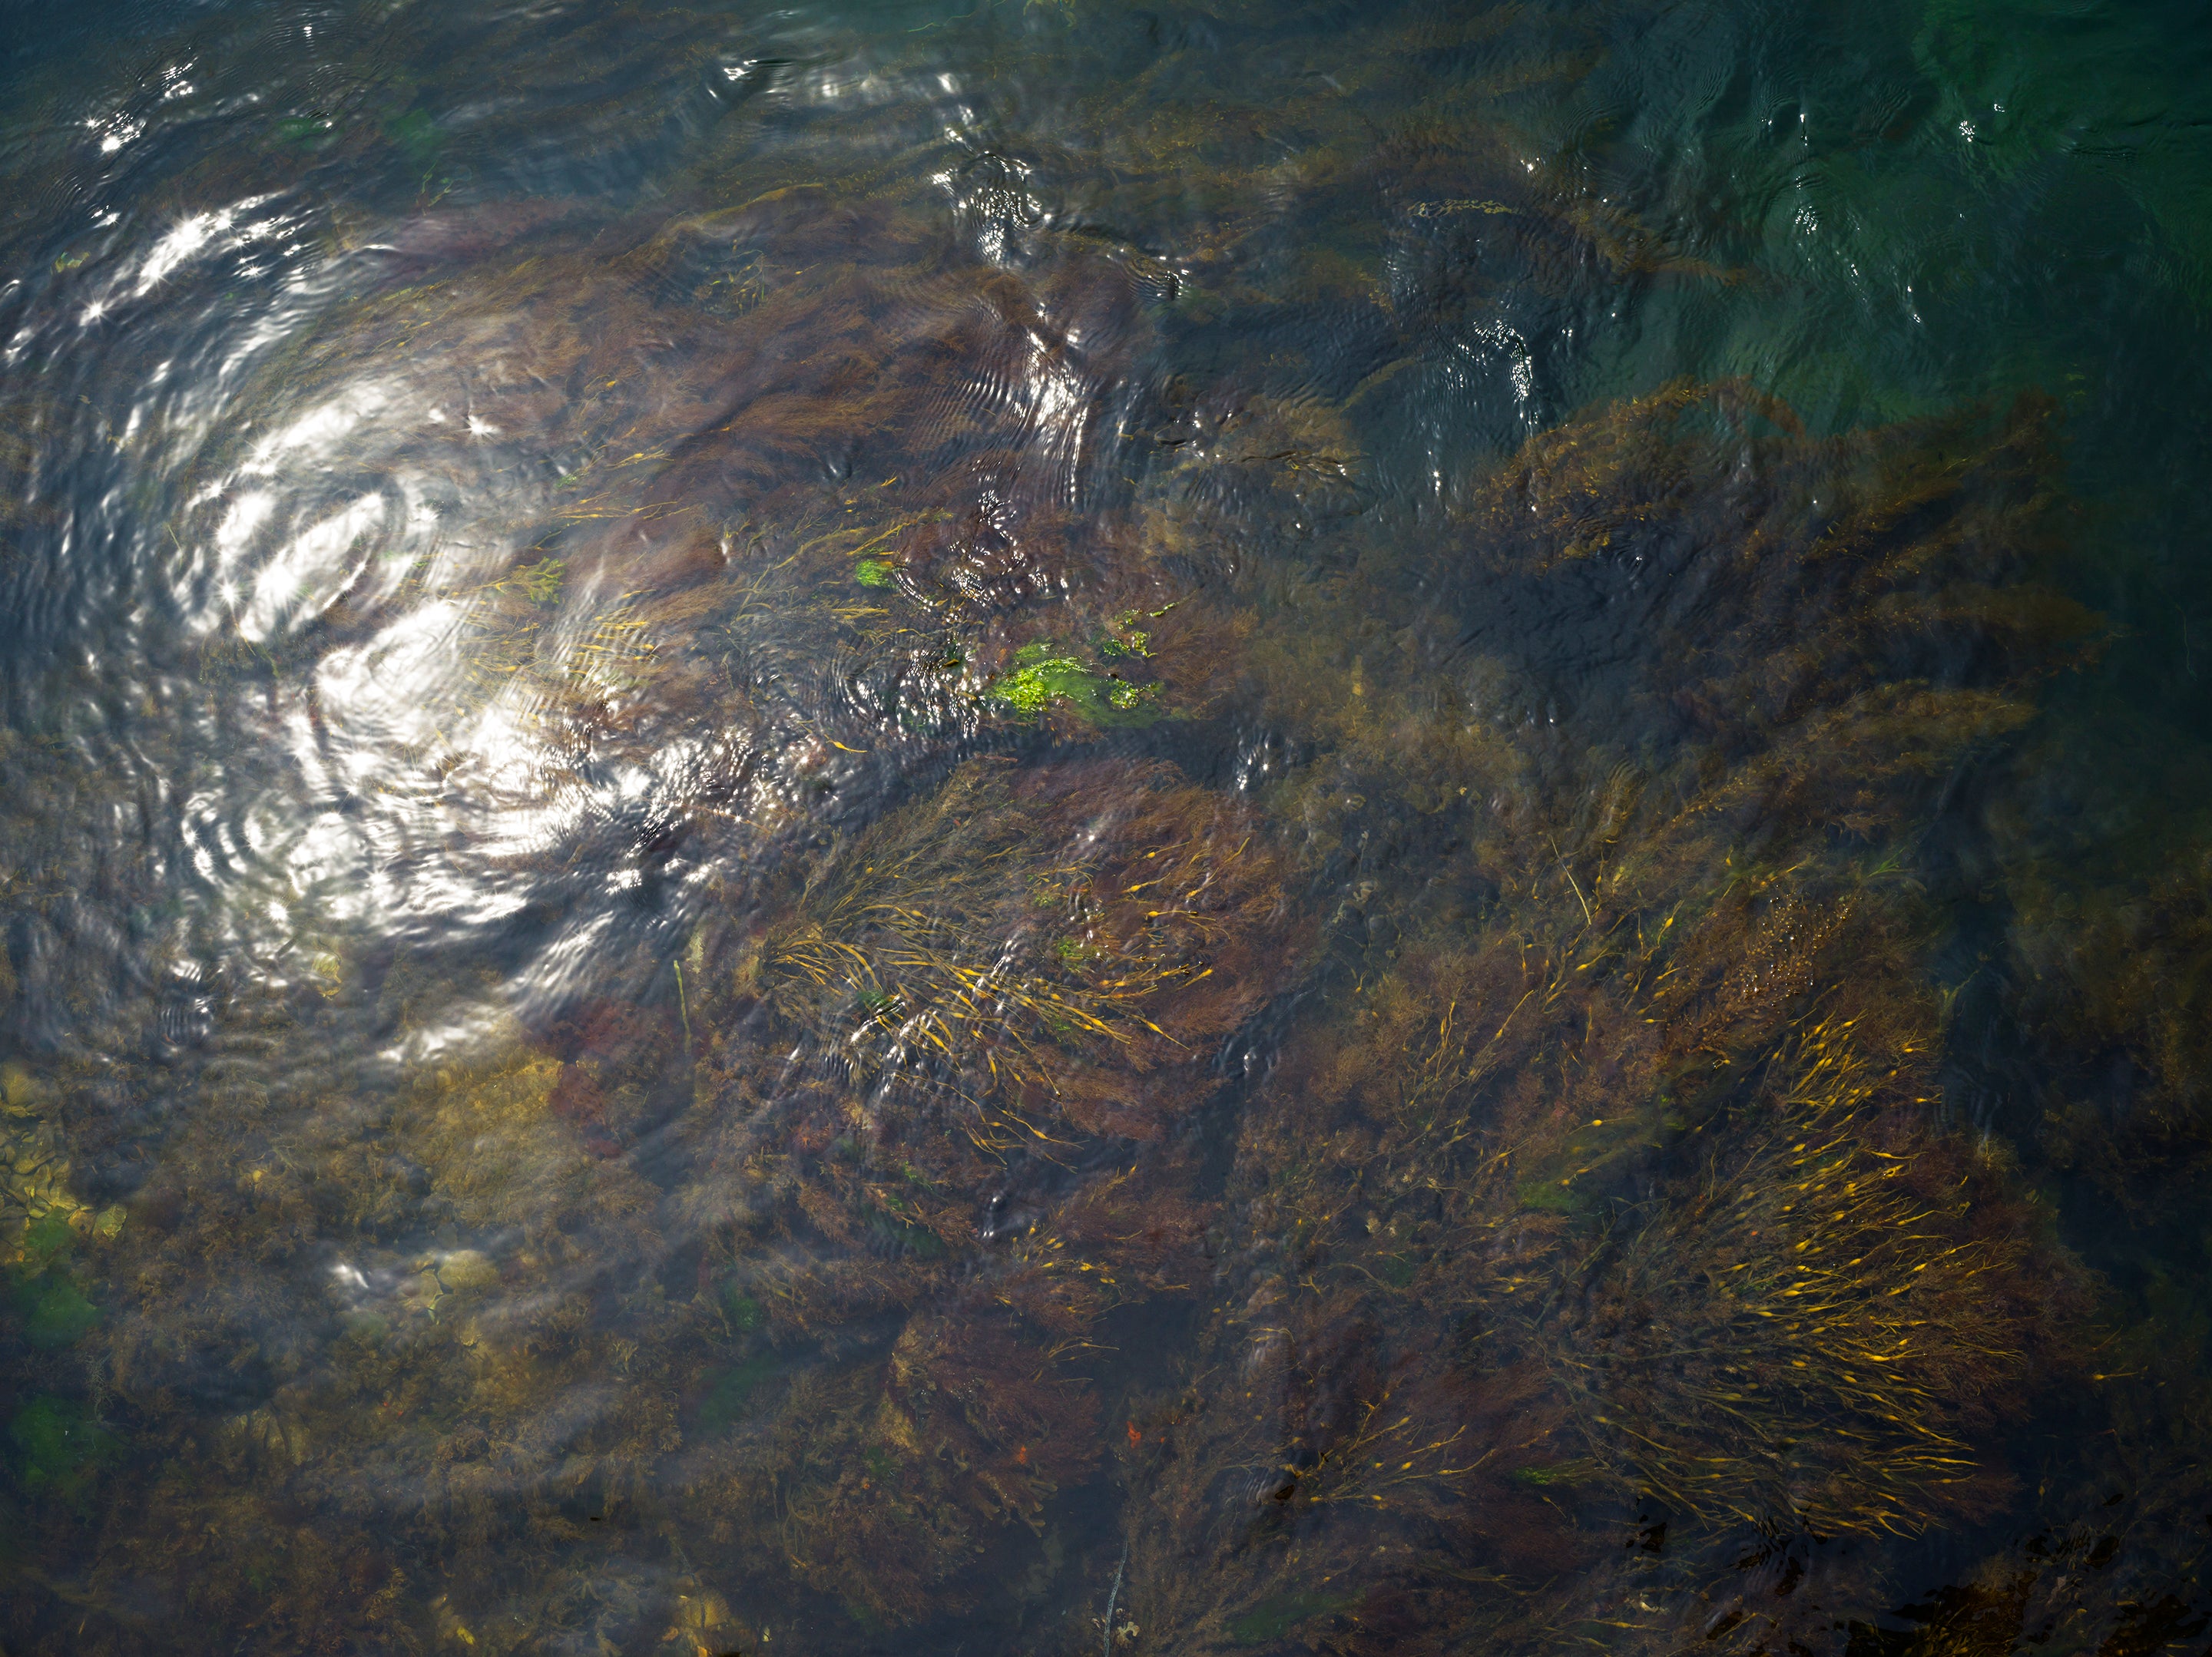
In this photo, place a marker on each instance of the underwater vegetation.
(1634, 1098)
(1056, 945)
(994, 1006)
(940, 879)
(2111, 965)
(1599, 1193)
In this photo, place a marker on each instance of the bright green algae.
(1355, 1002)
(1040, 681)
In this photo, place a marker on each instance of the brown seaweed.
(1661, 1152)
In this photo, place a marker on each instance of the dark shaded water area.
(1059, 827)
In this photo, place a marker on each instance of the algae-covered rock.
(465, 1271)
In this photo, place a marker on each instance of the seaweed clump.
(1058, 948)
(1631, 1070)
(1814, 1326)
(989, 1012)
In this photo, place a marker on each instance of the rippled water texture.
(1064, 829)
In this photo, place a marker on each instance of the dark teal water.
(1056, 828)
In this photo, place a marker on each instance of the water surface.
(1059, 827)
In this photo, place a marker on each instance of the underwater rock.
(34, 1179)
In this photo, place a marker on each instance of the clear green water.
(1060, 828)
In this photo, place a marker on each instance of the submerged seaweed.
(1658, 1150)
(830, 921)
(1044, 943)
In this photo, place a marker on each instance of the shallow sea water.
(1057, 828)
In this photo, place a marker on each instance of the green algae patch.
(875, 573)
(1042, 679)
(541, 581)
(416, 136)
(1076, 952)
(54, 1312)
(1127, 639)
(1550, 1196)
(304, 132)
(58, 1447)
(46, 1240)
